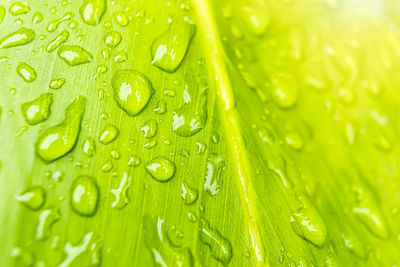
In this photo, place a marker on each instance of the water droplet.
(201, 147)
(2, 13)
(37, 17)
(307, 223)
(89, 147)
(61, 38)
(23, 257)
(169, 49)
(56, 83)
(34, 198)
(121, 19)
(189, 195)
(213, 179)
(122, 192)
(150, 144)
(74, 55)
(353, 243)
(120, 56)
(37, 110)
(192, 217)
(52, 26)
(159, 246)
(47, 218)
(175, 237)
(109, 133)
(190, 119)
(132, 91)
(161, 107)
(161, 169)
(221, 248)
(22, 36)
(112, 39)
(134, 161)
(92, 11)
(149, 129)
(56, 141)
(84, 196)
(107, 166)
(214, 138)
(26, 72)
(256, 18)
(285, 91)
(18, 8)
(294, 140)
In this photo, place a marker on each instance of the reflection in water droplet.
(122, 192)
(161, 169)
(221, 248)
(132, 91)
(109, 133)
(92, 11)
(47, 218)
(56, 141)
(74, 55)
(170, 48)
(84, 196)
(34, 197)
(26, 72)
(37, 110)
(213, 179)
(61, 38)
(22, 36)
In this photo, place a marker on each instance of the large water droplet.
(149, 129)
(92, 11)
(26, 72)
(84, 196)
(170, 48)
(21, 36)
(132, 91)
(161, 169)
(307, 223)
(109, 133)
(37, 110)
(34, 198)
(221, 248)
(18, 8)
(58, 140)
(47, 218)
(74, 55)
(122, 192)
(61, 38)
(213, 179)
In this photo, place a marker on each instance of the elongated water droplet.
(34, 198)
(61, 38)
(47, 219)
(2, 13)
(112, 39)
(170, 48)
(37, 110)
(307, 223)
(89, 147)
(121, 19)
(161, 169)
(52, 26)
(58, 140)
(122, 192)
(149, 129)
(18, 8)
(221, 248)
(22, 36)
(92, 11)
(189, 195)
(109, 133)
(132, 91)
(74, 55)
(163, 253)
(56, 83)
(285, 91)
(37, 17)
(84, 196)
(213, 179)
(26, 72)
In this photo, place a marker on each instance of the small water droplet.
(92, 11)
(112, 39)
(149, 129)
(201, 147)
(56, 83)
(74, 55)
(61, 38)
(190, 119)
(47, 218)
(122, 192)
(134, 161)
(37, 17)
(256, 18)
(18, 8)
(121, 18)
(23, 258)
(284, 91)
(175, 237)
(34, 197)
(89, 147)
(189, 194)
(120, 56)
(132, 91)
(56, 141)
(26, 72)
(169, 49)
(161, 107)
(294, 140)
(213, 179)
(37, 110)
(109, 133)
(107, 166)
(84, 196)
(161, 169)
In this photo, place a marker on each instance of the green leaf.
(199, 133)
